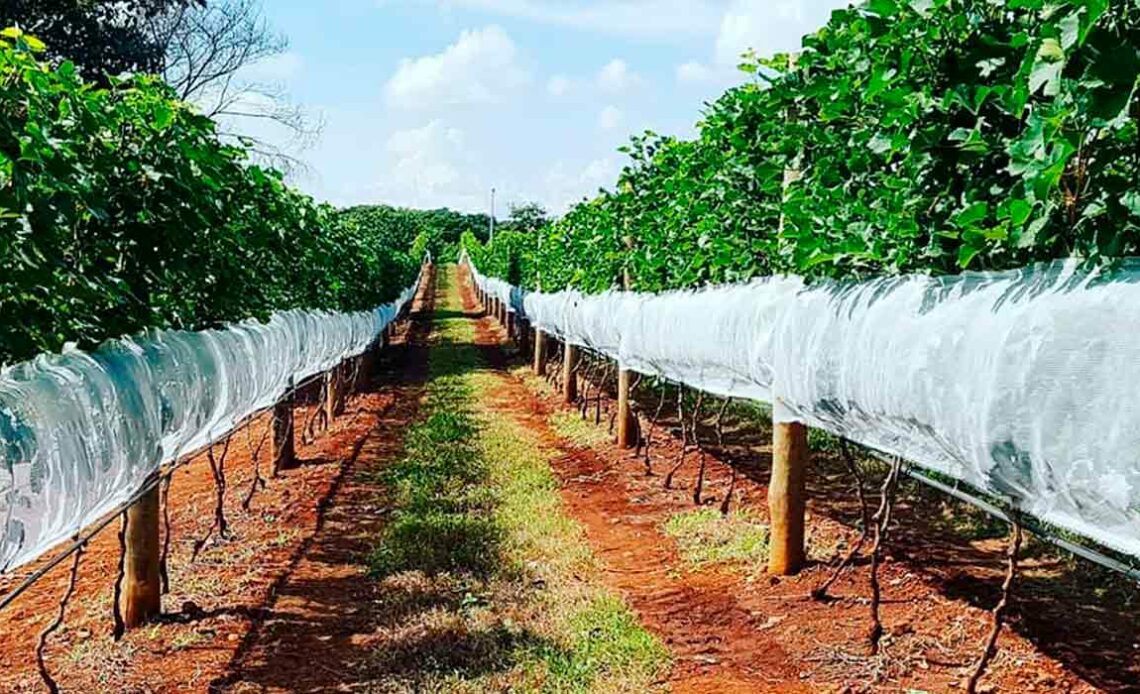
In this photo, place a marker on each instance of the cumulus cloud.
(768, 26)
(558, 85)
(610, 118)
(566, 185)
(616, 77)
(481, 67)
(428, 167)
(694, 72)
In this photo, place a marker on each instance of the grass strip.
(485, 583)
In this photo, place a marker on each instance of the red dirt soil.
(285, 605)
(223, 605)
(731, 632)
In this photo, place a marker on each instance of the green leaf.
(1019, 211)
(1070, 30)
(971, 215)
(1131, 202)
(880, 143)
(966, 255)
(1047, 68)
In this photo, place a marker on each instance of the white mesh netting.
(1019, 383)
(81, 432)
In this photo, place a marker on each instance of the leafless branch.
(209, 52)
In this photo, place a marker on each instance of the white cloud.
(616, 77)
(565, 186)
(558, 85)
(769, 26)
(694, 72)
(610, 118)
(427, 167)
(670, 20)
(481, 67)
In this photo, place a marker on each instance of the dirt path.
(740, 631)
(314, 634)
(286, 605)
(221, 604)
(716, 642)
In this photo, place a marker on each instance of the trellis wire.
(118, 511)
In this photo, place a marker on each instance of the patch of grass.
(438, 542)
(607, 643)
(705, 538)
(594, 640)
(581, 432)
(486, 585)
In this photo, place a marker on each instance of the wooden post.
(142, 592)
(342, 379)
(569, 377)
(539, 352)
(282, 449)
(627, 427)
(522, 334)
(331, 387)
(787, 498)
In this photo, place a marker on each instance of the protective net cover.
(80, 432)
(1021, 383)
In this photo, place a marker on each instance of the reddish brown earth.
(1073, 628)
(294, 541)
(284, 605)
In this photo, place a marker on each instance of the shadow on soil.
(1070, 609)
(316, 631)
(285, 651)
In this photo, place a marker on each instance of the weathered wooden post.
(341, 377)
(787, 495)
(627, 427)
(569, 377)
(539, 352)
(282, 449)
(142, 591)
(332, 385)
(787, 498)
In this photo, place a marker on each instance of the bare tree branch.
(209, 50)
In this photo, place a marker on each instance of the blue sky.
(430, 103)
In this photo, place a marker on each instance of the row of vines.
(123, 209)
(922, 136)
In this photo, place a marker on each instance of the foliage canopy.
(921, 136)
(121, 210)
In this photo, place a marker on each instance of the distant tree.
(439, 228)
(528, 217)
(101, 37)
(206, 50)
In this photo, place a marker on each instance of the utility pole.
(492, 240)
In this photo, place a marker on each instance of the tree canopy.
(101, 37)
